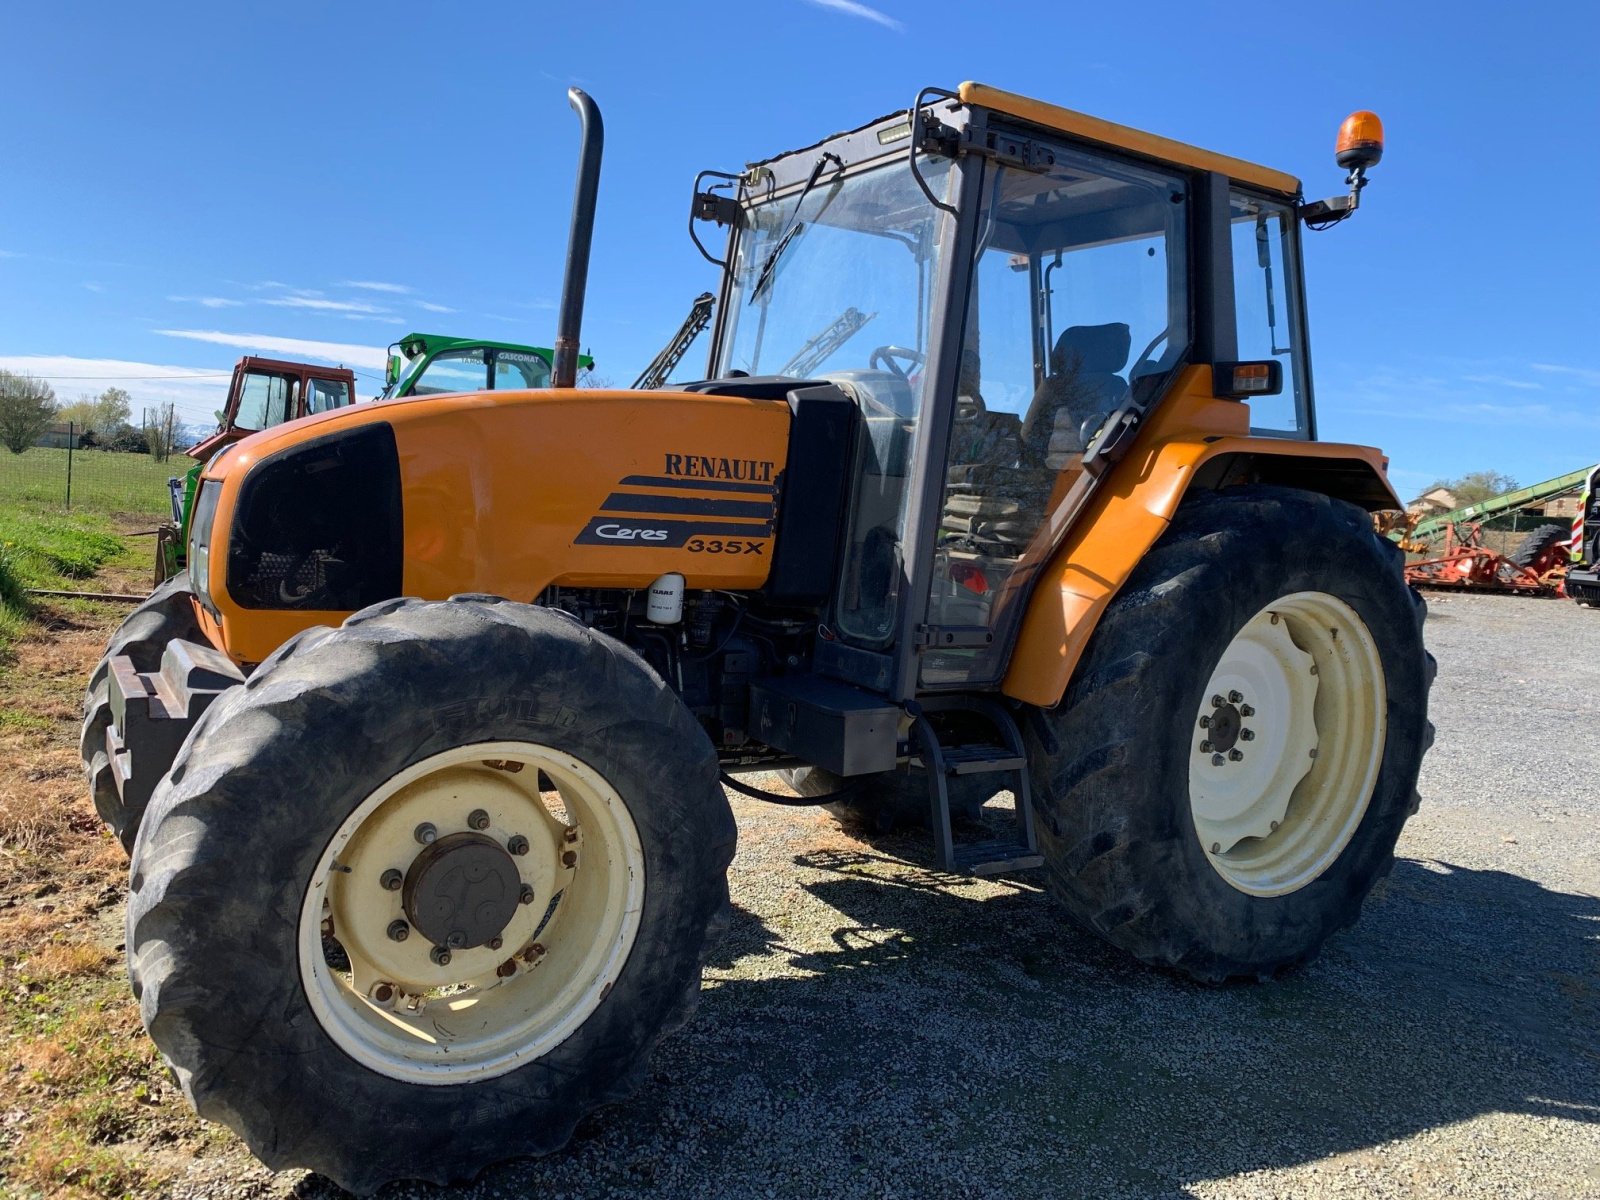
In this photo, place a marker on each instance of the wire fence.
(61, 472)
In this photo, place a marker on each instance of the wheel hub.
(462, 891)
(1224, 727)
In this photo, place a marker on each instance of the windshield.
(838, 284)
(845, 272)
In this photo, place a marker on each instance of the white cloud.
(304, 300)
(1504, 381)
(11, 254)
(94, 287)
(208, 301)
(851, 9)
(1584, 375)
(196, 391)
(395, 289)
(438, 308)
(348, 353)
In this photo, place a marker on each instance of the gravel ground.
(871, 1027)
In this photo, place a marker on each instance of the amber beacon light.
(1360, 147)
(1360, 143)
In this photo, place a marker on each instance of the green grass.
(132, 485)
(40, 548)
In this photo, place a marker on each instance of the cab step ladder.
(1002, 754)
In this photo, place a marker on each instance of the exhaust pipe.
(576, 280)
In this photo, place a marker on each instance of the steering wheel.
(884, 356)
(1144, 358)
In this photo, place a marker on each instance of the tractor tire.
(267, 890)
(891, 801)
(1251, 594)
(1539, 540)
(143, 637)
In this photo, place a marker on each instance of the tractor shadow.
(918, 1030)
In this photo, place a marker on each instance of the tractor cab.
(1008, 292)
(267, 391)
(428, 364)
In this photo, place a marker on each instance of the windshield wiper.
(791, 228)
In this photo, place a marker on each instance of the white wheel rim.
(487, 1010)
(1287, 743)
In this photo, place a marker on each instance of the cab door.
(1077, 306)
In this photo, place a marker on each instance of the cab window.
(1267, 310)
(453, 371)
(264, 401)
(325, 395)
(515, 369)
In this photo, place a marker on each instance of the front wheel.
(449, 872)
(1231, 766)
(142, 637)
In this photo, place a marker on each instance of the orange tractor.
(425, 751)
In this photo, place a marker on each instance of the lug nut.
(1235, 697)
(440, 956)
(1246, 711)
(1216, 847)
(383, 992)
(1247, 735)
(1205, 747)
(391, 880)
(569, 859)
(478, 819)
(1275, 827)
(1217, 702)
(426, 834)
(457, 940)
(399, 931)
(1313, 668)
(496, 942)
(1236, 755)
(1313, 752)
(517, 845)
(1205, 722)
(1217, 760)
(506, 969)
(526, 895)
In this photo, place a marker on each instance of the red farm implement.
(1536, 568)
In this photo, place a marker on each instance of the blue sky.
(186, 183)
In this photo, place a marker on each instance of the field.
(132, 485)
(873, 1027)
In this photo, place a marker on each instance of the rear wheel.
(1235, 757)
(143, 637)
(1538, 544)
(498, 850)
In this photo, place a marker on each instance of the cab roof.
(414, 344)
(1125, 137)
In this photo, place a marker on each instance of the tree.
(104, 414)
(1475, 486)
(27, 406)
(161, 430)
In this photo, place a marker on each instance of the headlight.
(200, 522)
(318, 526)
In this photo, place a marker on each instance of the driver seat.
(1083, 383)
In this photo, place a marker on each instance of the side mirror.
(391, 375)
(1358, 148)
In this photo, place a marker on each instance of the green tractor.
(430, 364)
(263, 392)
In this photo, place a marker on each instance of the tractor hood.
(506, 493)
